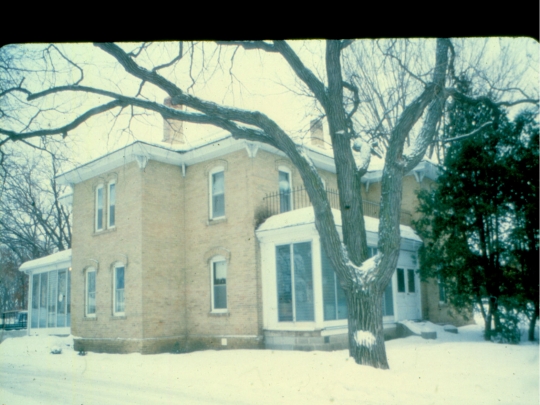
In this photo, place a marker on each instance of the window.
(90, 292)
(218, 267)
(294, 282)
(334, 301)
(401, 280)
(217, 193)
(111, 208)
(442, 291)
(50, 307)
(99, 207)
(411, 284)
(284, 182)
(388, 295)
(410, 279)
(118, 289)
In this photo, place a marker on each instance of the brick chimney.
(317, 134)
(173, 130)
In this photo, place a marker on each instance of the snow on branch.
(361, 151)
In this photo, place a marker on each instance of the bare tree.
(339, 99)
(34, 222)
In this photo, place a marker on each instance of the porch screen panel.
(303, 282)
(68, 299)
(53, 286)
(284, 283)
(43, 300)
(334, 301)
(35, 301)
(329, 288)
(61, 299)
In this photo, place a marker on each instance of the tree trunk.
(366, 334)
(532, 323)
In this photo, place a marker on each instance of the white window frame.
(285, 169)
(97, 226)
(214, 171)
(109, 225)
(87, 293)
(218, 259)
(114, 290)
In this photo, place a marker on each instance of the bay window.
(294, 282)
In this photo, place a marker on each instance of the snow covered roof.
(306, 216)
(59, 260)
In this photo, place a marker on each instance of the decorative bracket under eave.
(142, 160)
(252, 149)
(419, 175)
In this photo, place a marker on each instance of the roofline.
(142, 151)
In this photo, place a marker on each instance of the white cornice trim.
(142, 152)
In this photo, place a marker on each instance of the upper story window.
(284, 182)
(105, 203)
(294, 282)
(100, 198)
(218, 268)
(217, 193)
(90, 307)
(111, 210)
(118, 290)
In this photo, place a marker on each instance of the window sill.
(104, 231)
(219, 314)
(90, 318)
(216, 221)
(118, 317)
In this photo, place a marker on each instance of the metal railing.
(279, 202)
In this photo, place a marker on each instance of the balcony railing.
(297, 197)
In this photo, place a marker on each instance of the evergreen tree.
(475, 221)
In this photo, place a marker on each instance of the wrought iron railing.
(278, 202)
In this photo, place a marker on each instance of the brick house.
(211, 246)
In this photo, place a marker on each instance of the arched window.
(217, 192)
(90, 292)
(119, 302)
(100, 201)
(218, 277)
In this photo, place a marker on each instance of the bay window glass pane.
(35, 301)
(112, 204)
(400, 280)
(303, 282)
(61, 303)
(410, 279)
(388, 300)
(334, 301)
(53, 285)
(284, 192)
(43, 300)
(284, 283)
(218, 195)
(119, 290)
(220, 285)
(329, 288)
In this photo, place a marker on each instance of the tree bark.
(366, 333)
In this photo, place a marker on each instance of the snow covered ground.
(454, 369)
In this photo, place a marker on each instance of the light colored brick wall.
(108, 247)
(162, 250)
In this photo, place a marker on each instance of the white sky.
(259, 81)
